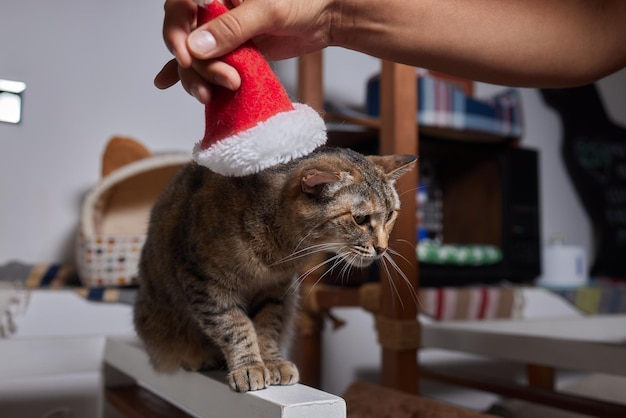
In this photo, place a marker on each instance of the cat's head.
(347, 203)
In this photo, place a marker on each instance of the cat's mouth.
(362, 262)
(360, 256)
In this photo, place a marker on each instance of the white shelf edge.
(208, 395)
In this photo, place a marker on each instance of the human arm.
(533, 43)
(512, 42)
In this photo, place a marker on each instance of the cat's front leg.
(232, 331)
(272, 320)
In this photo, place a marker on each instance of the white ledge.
(208, 395)
(591, 343)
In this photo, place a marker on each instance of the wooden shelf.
(430, 131)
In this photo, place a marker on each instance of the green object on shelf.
(433, 252)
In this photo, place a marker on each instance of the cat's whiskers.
(405, 242)
(411, 190)
(296, 283)
(308, 234)
(395, 253)
(350, 259)
(346, 269)
(305, 252)
(387, 258)
(335, 260)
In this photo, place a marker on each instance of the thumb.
(229, 30)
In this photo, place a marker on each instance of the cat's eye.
(361, 219)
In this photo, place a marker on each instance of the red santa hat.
(257, 126)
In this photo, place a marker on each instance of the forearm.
(513, 42)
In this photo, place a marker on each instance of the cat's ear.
(394, 166)
(314, 181)
(120, 151)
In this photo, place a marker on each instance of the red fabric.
(484, 302)
(260, 96)
(440, 303)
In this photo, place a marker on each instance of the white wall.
(89, 67)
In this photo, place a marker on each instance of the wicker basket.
(114, 219)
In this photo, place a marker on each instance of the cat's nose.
(380, 250)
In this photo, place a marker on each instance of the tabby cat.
(219, 269)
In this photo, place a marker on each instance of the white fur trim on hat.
(279, 139)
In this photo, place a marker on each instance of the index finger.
(179, 21)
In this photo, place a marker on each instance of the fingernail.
(202, 42)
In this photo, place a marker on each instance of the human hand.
(196, 76)
(280, 29)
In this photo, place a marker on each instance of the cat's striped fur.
(218, 273)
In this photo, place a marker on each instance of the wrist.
(339, 16)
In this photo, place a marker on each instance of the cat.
(219, 269)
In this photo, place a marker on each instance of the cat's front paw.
(247, 378)
(283, 372)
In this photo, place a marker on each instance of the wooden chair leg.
(399, 136)
(310, 80)
(307, 350)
